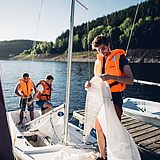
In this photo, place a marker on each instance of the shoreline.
(133, 56)
(57, 58)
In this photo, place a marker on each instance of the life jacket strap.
(113, 84)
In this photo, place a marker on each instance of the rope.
(110, 36)
(129, 40)
(111, 45)
(126, 51)
(132, 27)
(36, 33)
(39, 17)
(53, 127)
(129, 36)
(89, 64)
(82, 4)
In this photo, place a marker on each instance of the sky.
(28, 19)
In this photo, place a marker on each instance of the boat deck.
(26, 119)
(146, 136)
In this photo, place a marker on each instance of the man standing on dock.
(24, 89)
(111, 66)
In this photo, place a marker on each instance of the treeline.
(117, 25)
(14, 47)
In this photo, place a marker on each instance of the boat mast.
(70, 45)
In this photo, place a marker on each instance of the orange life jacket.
(26, 88)
(46, 94)
(111, 68)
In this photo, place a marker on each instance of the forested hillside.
(145, 35)
(14, 47)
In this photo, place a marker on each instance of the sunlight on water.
(12, 70)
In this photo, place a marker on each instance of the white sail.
(91, 112)
(50, 124)
(120, 145)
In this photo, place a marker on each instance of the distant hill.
(14, 47)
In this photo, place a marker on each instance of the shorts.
(23, 104)
(117, 98)
(40, 103)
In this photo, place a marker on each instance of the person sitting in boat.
(113, 67)
(24, 89)
(43, 94)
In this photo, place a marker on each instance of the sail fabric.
(50, 124)
(60, 152)
(92, 108)
(120, 145)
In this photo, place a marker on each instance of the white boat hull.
(143, 110)
(33, 140)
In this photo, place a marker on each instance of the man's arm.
(127, 79)
(16, 91)
(39, 90)
(34, 87)
(34, 97)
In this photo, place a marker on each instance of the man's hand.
(87, 84)
(29, 103)
(24, 97)
(105, 77)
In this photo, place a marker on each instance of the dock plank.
(146, 136)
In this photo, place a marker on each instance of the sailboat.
(50, 136)
(144, 110)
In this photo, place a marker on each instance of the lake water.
(12, 70)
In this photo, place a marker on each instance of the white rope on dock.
(147, 82)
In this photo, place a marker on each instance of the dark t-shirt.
(117, 96)
(122, 62)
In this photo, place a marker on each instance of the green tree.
(84, 42)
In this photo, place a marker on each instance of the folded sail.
(120, 145)
(92, 108)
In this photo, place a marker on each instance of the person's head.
(25, 76)
(49, 79)
(102, 44)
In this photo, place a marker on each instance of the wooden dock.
(146, 136)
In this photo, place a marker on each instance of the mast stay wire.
(126, 48)
(88, 45)
(110, 36)
(36, 33)
(87, 31)
(34, 42)
(82, 4)
(129, 36)
(111, 43)
(89, 64)
(129, 40)
(131, 28)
